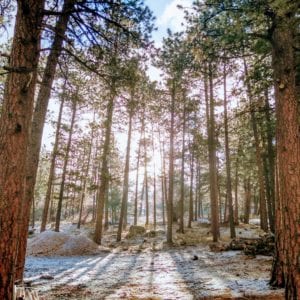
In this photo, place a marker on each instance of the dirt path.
(165, 274)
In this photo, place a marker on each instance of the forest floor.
(144, 267)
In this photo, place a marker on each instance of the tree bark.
(37, 126)
(271, 160)
(191, 196)
(126, 179)
(212, 159)
(146, 177)
(154, 181)
(85, 176)
(247, 204)
(104, 174)
(171, 170)
(181, 202)
(200, 204)
(15, 121)
(52, 168)
(106, 210)
(228, 165)
(163, 187)
(287, 260)
(236, 183)
(259, 162)
(137, 181)
(64, 173)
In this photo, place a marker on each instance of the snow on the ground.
(145, 268)
(50, 243)
(168, 274)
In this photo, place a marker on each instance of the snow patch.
(51, 243)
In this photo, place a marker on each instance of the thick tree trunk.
(259, 162)
(171, 171)
(228, 165)
(104, 173)
(212, 159)
(126, 180)
(286, 264)
(64, 172)
(15, 121)
(37, 128)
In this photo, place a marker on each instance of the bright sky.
(167, 16)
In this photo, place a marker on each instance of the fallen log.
(263, 245)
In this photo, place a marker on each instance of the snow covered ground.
(144, 268)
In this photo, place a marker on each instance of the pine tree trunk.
(286, 264)
(95, 173)
(200, 204)
(52, 168)
(228, 165)
(104, 173)
(271, 159)
(15, 121)
(146, 192)
(171, 170)
(146, 175)
(236, 183)
(163, 179)
(154, 181)
(33, 213)
(85, 177)
(37, 126)
(259, 162)
(126, 180)
(64, 173)
(181, 202)
(137, 182)
(106, 210)
(191, 196)
(142, 197)
(212, 159)
(247, 204)
(196, 206)
(154, 200)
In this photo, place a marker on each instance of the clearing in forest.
(144, 267)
